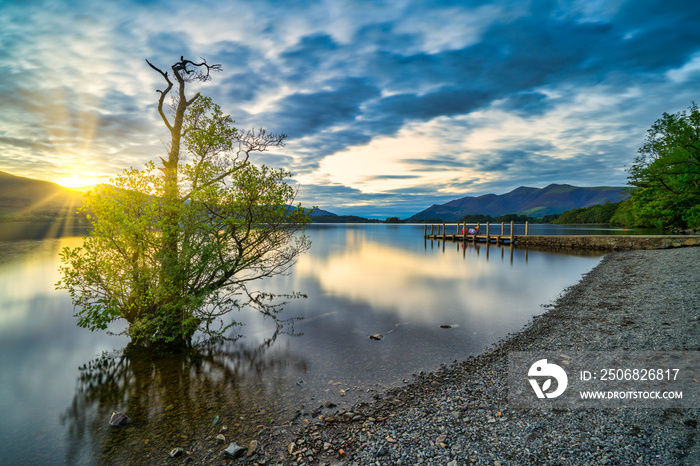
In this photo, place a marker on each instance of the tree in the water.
(174, 248)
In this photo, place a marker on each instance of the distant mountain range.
(317, 212)
(534, 202)
(23, 199)
(27, 199)
(323, 213)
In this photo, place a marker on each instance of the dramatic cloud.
(389, 106)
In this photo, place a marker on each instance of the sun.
(77, 182)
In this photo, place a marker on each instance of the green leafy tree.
(601, 213)
(173, 249)
(666, 173)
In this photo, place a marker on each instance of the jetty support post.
(527, 228)
(503, 232)
(488, 238)
(443, 232)
(425, 230)
(511, 233)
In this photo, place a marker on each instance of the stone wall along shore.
(610, 242)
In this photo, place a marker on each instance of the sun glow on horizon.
(78, 182)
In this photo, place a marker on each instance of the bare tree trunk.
(170, 275)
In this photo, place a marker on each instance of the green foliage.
(624, 216)
(667, 173)
(602, 213)
(429, 220)
(174, 261)
(343, 219)
(482, 218)
(507, 218)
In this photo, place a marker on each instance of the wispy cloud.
(389, 106)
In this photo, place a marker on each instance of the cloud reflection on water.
(435, 286)
(360, 280)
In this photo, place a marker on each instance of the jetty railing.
(477, 235)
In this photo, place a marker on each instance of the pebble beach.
(459, 415)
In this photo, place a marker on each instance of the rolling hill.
(26, 199)
(535, 202)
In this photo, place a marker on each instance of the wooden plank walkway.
(456, 233)
(460, 232)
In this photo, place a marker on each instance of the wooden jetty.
(459, 232)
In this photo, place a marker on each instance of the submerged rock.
(234, 450)
(376, 336)
(119, 419)
(175, 452)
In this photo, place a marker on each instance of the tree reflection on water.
(174, 400)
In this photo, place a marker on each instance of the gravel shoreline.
(633, 300)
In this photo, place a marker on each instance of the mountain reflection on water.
(61, 383)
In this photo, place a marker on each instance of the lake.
(60, 383)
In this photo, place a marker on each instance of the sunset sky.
(389, 106)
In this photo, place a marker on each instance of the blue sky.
(389, 106)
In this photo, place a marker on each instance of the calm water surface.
(60, 383)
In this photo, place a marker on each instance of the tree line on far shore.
(599, 214)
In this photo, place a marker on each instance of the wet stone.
(252, 447)
(234, 450)
(119, 419)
